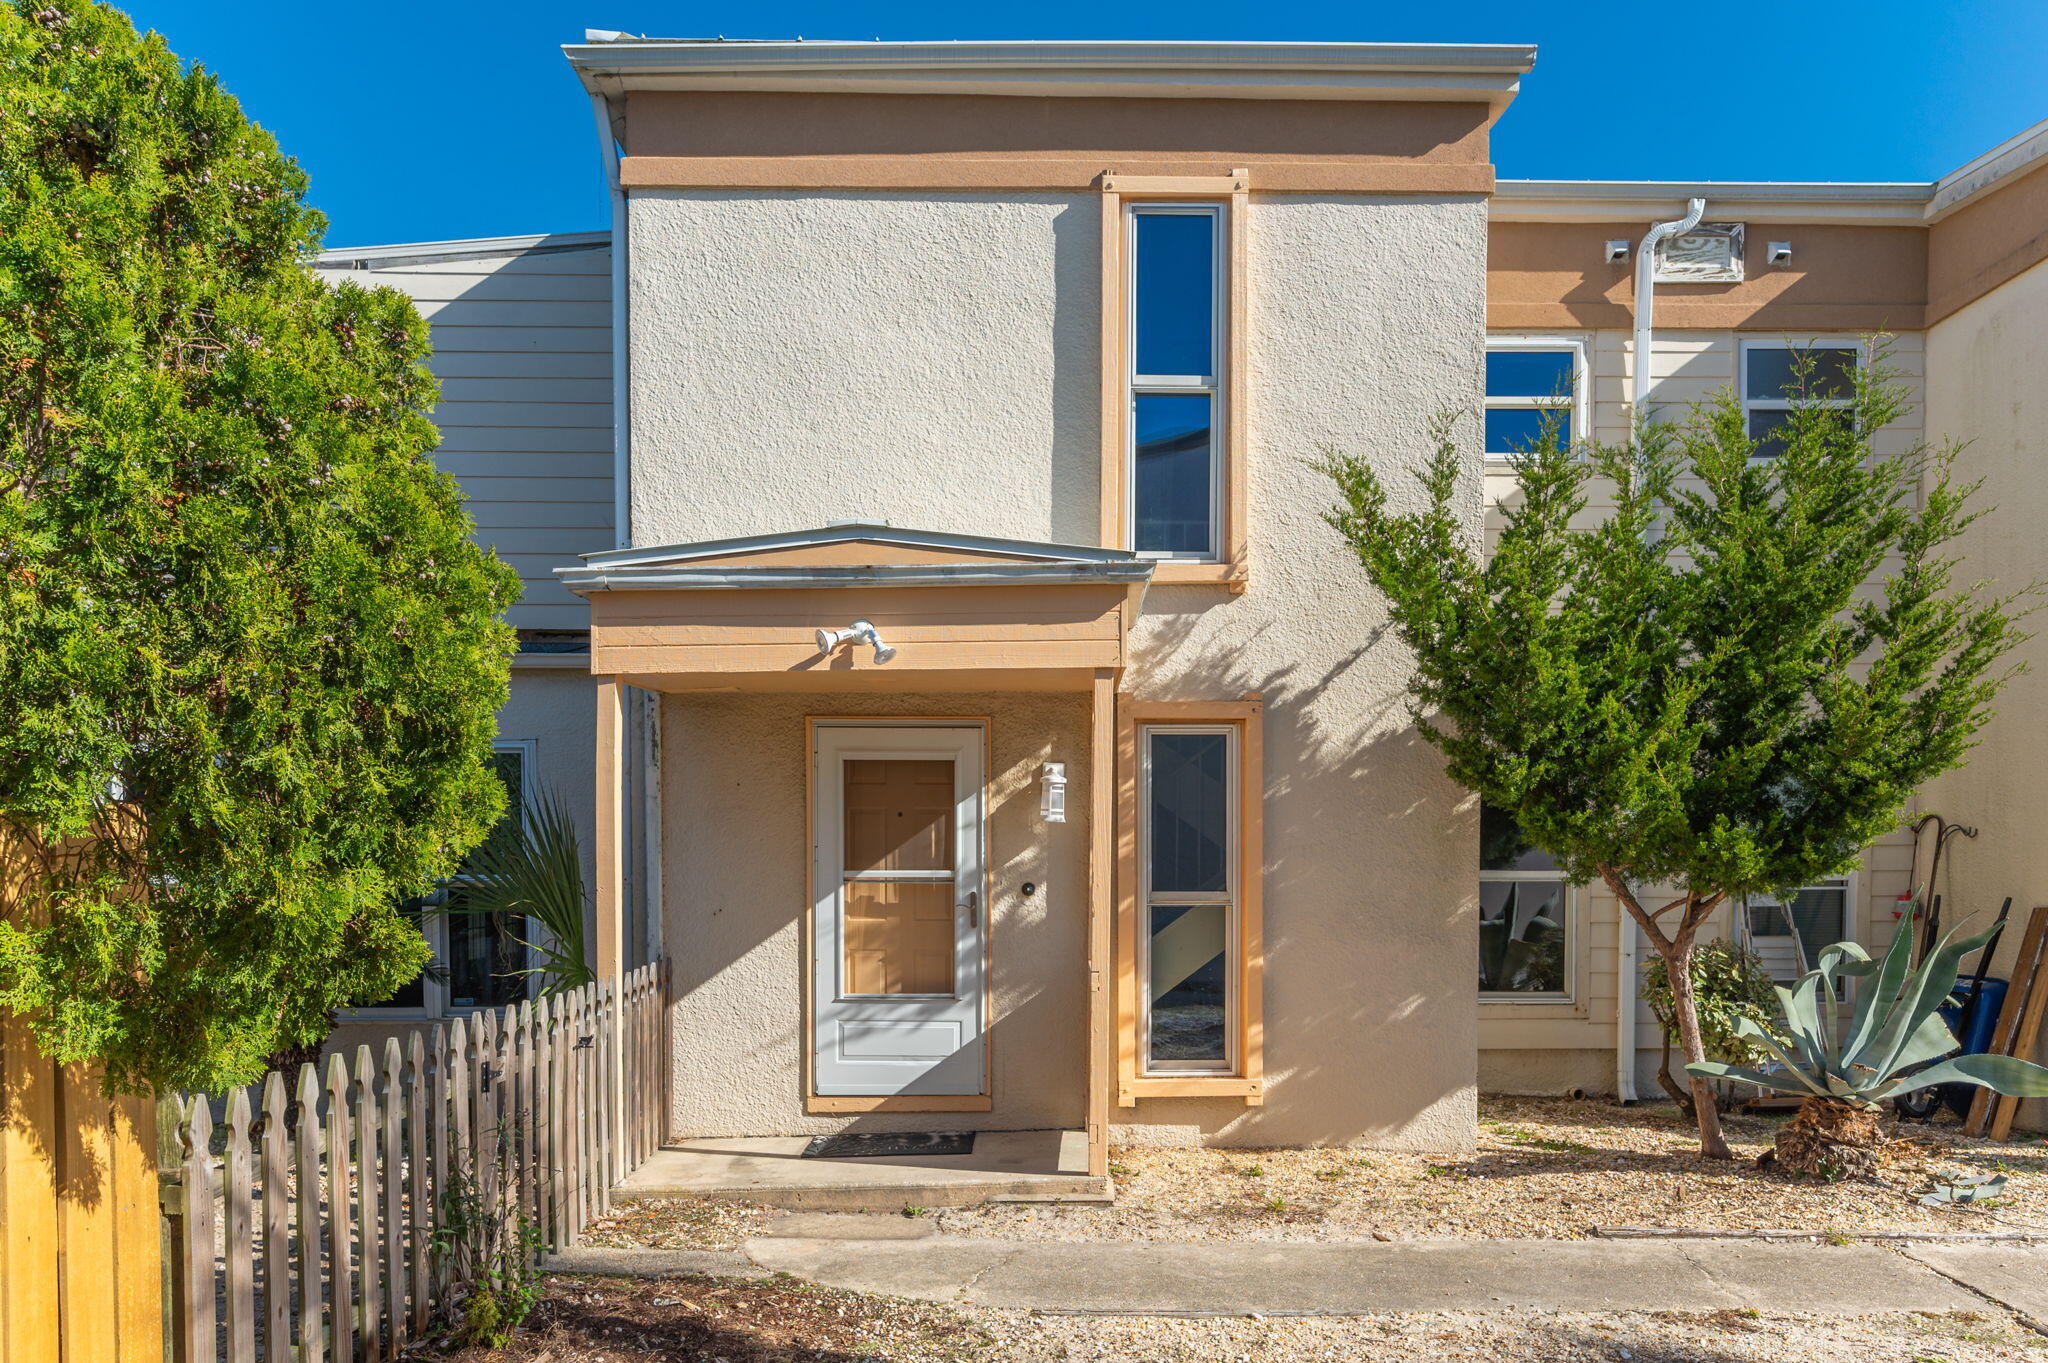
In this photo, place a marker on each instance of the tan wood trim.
(897, 1102)
(1174, 186)
(1251, 912)
(1102, 740)
(609, 853)
(1249, 1082)
(1710, 315)
(882, 171)
(870, 681)
(813, 1101)
(1126, 901)
(1115, 407)
(1253, 1091)
(1237, 386)
(1232, 570)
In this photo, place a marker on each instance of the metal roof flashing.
(1474, 73)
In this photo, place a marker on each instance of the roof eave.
(1459, 72)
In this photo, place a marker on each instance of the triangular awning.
(851, 553)
(958, 612)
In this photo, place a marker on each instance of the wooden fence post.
(277, 1261)
(312, 1332)
(196, 1314)
(238, 1244)
(420, 1227)
(341, 1278)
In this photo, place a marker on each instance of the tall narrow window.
(1176, 360)
(1780, 377)
(1787, 935)
(1190, 868)
(1531, 382)
(1524, 915)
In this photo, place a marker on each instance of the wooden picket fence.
(303, 1223)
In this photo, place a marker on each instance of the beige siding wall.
(1552, 1048)
(1988, 386)
(522, 346)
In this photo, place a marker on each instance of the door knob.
(973, 907)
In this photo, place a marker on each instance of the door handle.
(973, 907)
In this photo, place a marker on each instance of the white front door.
(899, 917)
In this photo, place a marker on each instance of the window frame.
(1228, 198)
(1244, 1078)
(1580, 424)
(1150, 900)
(1745, 345)
(434, 991)
(1210, 385)
(1569, 994)
(1853, 926)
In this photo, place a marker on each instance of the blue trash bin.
(1972, 1033)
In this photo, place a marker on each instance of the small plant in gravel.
(1252, 1171)
(1122, 1171)
(916, 1211)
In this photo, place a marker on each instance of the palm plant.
(1894, 1030)
(533, 868)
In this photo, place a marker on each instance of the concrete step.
(770, 1170)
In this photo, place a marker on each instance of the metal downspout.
(1629, 943)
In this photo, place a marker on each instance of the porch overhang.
(961, 612)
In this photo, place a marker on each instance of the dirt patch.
(1548, 1168)
(676, 1223)
(693, 1319)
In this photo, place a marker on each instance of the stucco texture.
(933, 360)
(1984, 368)
(1367, 321)
(802, 357)
(734, 888)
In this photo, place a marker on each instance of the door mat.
(874, 1144)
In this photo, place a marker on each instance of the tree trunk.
(1705, 1111)
(1669, 1084)
(1830, 1140)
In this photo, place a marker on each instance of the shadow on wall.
(1363, 1043)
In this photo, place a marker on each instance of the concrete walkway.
(1237, 1278)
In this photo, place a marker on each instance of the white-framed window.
(477, 960)
(1531, 380)
(1175, 290)
(1189, 855)
(1788, 934)
(1526, 912)
(1772, 384)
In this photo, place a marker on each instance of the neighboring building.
(1020, 353)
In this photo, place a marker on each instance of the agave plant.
(535, 871)
(1893, 1032)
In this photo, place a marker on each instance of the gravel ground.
(676, 1223)
(1547, 1168)
(596, 1320)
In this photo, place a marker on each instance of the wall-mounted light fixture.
(860, 631)
(1052, 793)
(1617, 252)
(1779, 253)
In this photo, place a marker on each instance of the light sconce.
(1617, 252)
(860, 631)
(1052, 793)
(1779, 253)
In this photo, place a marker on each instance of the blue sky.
(433, 119)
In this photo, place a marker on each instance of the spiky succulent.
(1894, 1027)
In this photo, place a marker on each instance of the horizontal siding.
(522, 346)
(1689, 367)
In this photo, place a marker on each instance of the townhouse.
(930, 619)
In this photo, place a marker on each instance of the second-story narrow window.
(1778, 377)
(1176, 254)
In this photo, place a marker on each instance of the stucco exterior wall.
(933, 359)
(929, 359)
(1367, 320)
(734, 798)
(1985, 364)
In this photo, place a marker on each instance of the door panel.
(897, 972)
(899, 937)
